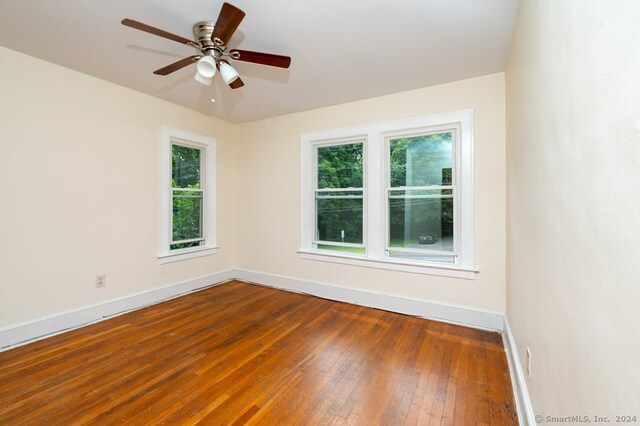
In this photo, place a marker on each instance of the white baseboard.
(463, 315)
(38, 328)
(518, 381)
(18, 334)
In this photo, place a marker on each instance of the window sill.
(186, 254)
(453, 271)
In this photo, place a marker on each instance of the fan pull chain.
(213, 99)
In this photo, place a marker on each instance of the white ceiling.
(342, 50)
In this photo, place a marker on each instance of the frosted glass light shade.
(228, 73)
(204, 80)
(206, 66)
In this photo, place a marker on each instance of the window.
(420, 197)
(339, 197)
(395, 195)
(187, 196)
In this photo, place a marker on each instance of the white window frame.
(376, 183)
(172, 136)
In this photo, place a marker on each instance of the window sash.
(389, 248)
(316, 240)
(455, 131)
(189, 240)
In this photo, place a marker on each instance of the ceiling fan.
(213, 53)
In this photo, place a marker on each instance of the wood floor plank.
(244, 354)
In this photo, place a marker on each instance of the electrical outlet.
(528, 362)
(101, 280)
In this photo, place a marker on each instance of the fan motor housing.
(202, 32)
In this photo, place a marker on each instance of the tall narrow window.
(188, 195)
(421, 197)
(339, 197)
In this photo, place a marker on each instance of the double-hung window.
(187, 195)
(396, 195)
(421, 196)
(339, 196)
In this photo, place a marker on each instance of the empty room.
(420, 212)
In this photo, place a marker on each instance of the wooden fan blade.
(227, 23)
(177, 65)
(157, 31)
(236, 84)
(261, 58)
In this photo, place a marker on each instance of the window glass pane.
(339, 219)
(340, 166)
(185, 167)
(421, 220)
(421, 160)
(187, 215)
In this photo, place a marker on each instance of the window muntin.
(339, 197)
(421, 197)
(187, 197)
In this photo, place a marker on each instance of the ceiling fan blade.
(227, 23)
(261, 58)
(177, 65)
(236, 84)
(157, 31)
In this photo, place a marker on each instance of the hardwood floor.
(244, 354)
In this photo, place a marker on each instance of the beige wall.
(573, 155)
(79, 162)
(79, 169)
(269, 193)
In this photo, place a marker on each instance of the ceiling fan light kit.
(206, 66)
(228, 73)
(203, 80)
(212, 51)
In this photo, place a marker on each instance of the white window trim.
(170, 136)
(375, 227)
